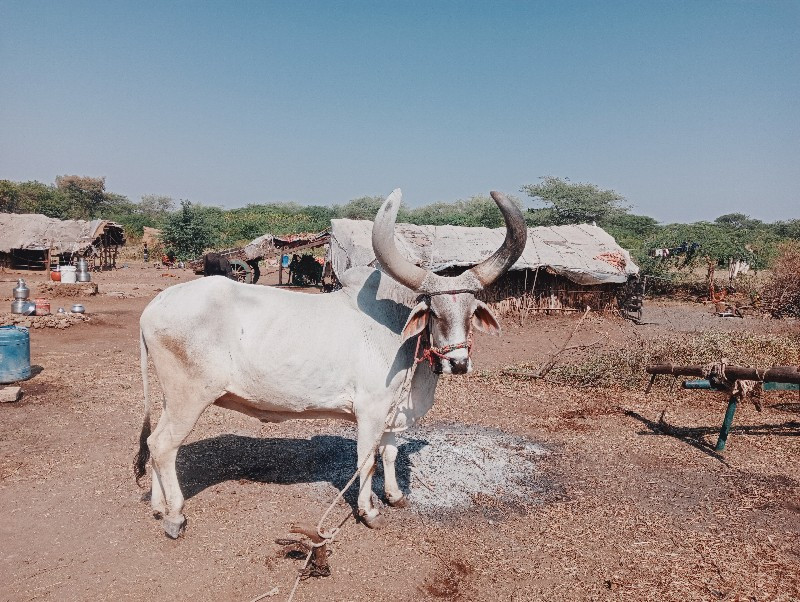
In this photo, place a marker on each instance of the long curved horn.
(493, 267)
(392, 262)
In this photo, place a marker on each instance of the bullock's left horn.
(492, 268)
(392, 262)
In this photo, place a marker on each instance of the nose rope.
(429, 352)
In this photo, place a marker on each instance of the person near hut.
(294, 266)
(253, 263)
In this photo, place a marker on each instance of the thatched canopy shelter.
(27, 240)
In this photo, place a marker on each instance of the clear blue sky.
(689, 109)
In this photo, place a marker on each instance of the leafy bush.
(477, 211)
(245, 224)
(191, 230)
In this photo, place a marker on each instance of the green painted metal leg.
(726, 424)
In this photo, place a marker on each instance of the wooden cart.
(245, 259)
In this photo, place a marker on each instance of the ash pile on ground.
(451, 470)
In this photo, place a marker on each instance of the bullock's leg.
(388, 451)
(157, 502)
(173, 427)
(369, 429)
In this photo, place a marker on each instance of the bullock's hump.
(362, 281)
(375, 294)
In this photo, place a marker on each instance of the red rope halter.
(429, 352)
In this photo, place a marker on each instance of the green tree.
(365, 207)
(86, 193)
(155, 207)
(35, 197)
(787, 229)
(477, 211)
(573, 203)
(252, 221)
(120, 209)
(630, 230)
(9, 196)
(739, 221)
(150, 211)
(191, 230)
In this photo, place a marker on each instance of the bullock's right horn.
(392, 262)
(493, 267)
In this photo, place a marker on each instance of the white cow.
(277, 355)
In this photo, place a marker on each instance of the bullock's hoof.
(174, 528)
(401, 502)
(378, 521)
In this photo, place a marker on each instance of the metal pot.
(21, 291)
(26, 308)
(83, 276)
(77, 308)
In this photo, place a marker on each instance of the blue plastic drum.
(15, 354)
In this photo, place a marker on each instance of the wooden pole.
(778, 374)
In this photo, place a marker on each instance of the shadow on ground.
(704, 438)
(320, 459)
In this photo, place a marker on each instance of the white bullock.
(276, 355)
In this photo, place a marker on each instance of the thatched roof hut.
(561, 267)
(27, 239)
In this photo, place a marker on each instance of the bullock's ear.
(483, 319)
(417, 321)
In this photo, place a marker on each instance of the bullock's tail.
(143, 455)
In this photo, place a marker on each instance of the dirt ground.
(520, 490)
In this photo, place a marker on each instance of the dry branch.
(551, 361)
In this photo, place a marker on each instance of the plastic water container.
(15, 354)
(68, 274)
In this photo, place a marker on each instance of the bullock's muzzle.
(440, 362)
(460, 365)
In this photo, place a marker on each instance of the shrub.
(782, 292)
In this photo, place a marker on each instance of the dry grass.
(625, 367)
(782, 293)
